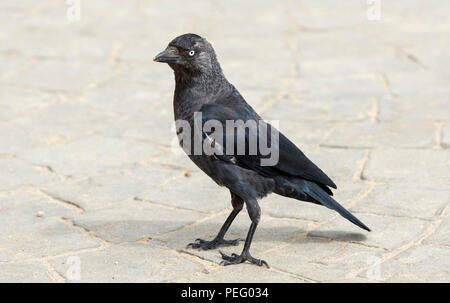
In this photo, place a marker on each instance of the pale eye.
(191, 53)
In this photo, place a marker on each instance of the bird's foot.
(236, 259)
(205, 245)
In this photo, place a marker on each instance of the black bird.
(201, 87)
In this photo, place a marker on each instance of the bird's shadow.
(278, 234)
(130, 230)
(338, 235)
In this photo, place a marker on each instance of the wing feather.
(292, 161)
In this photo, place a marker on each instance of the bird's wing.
(291, 160)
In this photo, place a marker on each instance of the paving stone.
(15, 173)
(16, 100)
(78, 45)
(136, 98)
(62, 75)
(424, 166)
(69, 120)
(247, 73)
(24, 272)
(134, 220)
(90, 155)
(257, 98)
(415, 109)
(423, 263)
(405, 200)
(321, 259)
(338, 164)
(132, 262)
(205, 195)
(14, 139)
(310, 109)
(176, 158)
(306, 132)
(419, 85)
(382, 135)
(25, 235)
(144, 75)
(363, 88)
(387, 233)
(141, 125)
(440, 236)
(446, 135)
(340, 45)
(98, 191)
(312, 15)
(14, 64)
(247, 273)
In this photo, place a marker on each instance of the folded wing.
(291, 160)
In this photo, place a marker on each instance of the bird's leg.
(254, 212)
(238, 204)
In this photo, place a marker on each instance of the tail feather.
(318, 194)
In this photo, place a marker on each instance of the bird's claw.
(236, 259)
(205, 245)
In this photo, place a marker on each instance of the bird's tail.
(315, 192)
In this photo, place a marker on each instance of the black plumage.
(201, 87)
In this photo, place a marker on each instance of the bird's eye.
(191, 52)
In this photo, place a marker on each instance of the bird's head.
(189, 53)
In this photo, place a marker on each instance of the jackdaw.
(201, 88)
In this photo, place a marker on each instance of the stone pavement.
(92, 190)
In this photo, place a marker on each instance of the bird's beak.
(166, 56)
